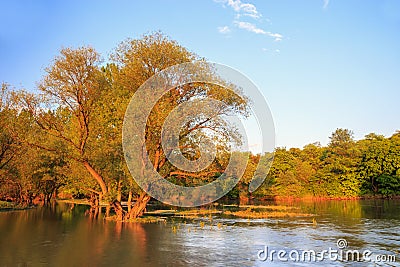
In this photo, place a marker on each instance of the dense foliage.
(344, 168)
(66, 139)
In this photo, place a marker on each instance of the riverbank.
(9, 206)
(324, 198)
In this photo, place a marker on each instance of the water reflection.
(60, 235)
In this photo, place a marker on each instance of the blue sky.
(320, 64)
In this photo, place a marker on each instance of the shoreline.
(269, 199)
(315, 198)
(12, 206)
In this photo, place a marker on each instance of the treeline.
(66, 139)
(344, 168)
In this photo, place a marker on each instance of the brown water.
(63, 236)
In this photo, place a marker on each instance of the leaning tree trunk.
(97, 177)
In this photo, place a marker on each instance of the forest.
(65, 139)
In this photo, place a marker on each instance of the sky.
(321, 64)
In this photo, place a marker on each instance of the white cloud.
(249, 27)
(278, 37)
(326, 3)
(253, 28)
(246, 9)
(277, 50)
(242, 9)
(224, 29)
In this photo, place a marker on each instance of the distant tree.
(340, 164)
(289, 173)
(341, 140)
(379, 168)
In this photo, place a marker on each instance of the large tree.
(140, 59)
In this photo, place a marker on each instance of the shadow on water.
(61, 235)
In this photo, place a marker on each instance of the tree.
(340, 161)
(291, 172)
(139, 60)
(341, 140)
(8, 142)
(9, 147)
(64, 110)
(379, 168)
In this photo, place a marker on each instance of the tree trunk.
(95, 207)
(130, 201)
(108, 209)
(139, 207)
(119, 211)
(119, 193)
(97, 177)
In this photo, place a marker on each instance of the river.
(62, 235)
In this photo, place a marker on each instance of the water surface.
(62, 235)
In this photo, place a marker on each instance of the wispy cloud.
(242, 10)
(253, 28)
(249, 27)
(277, 36)
(326, 3)
(224, 29)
